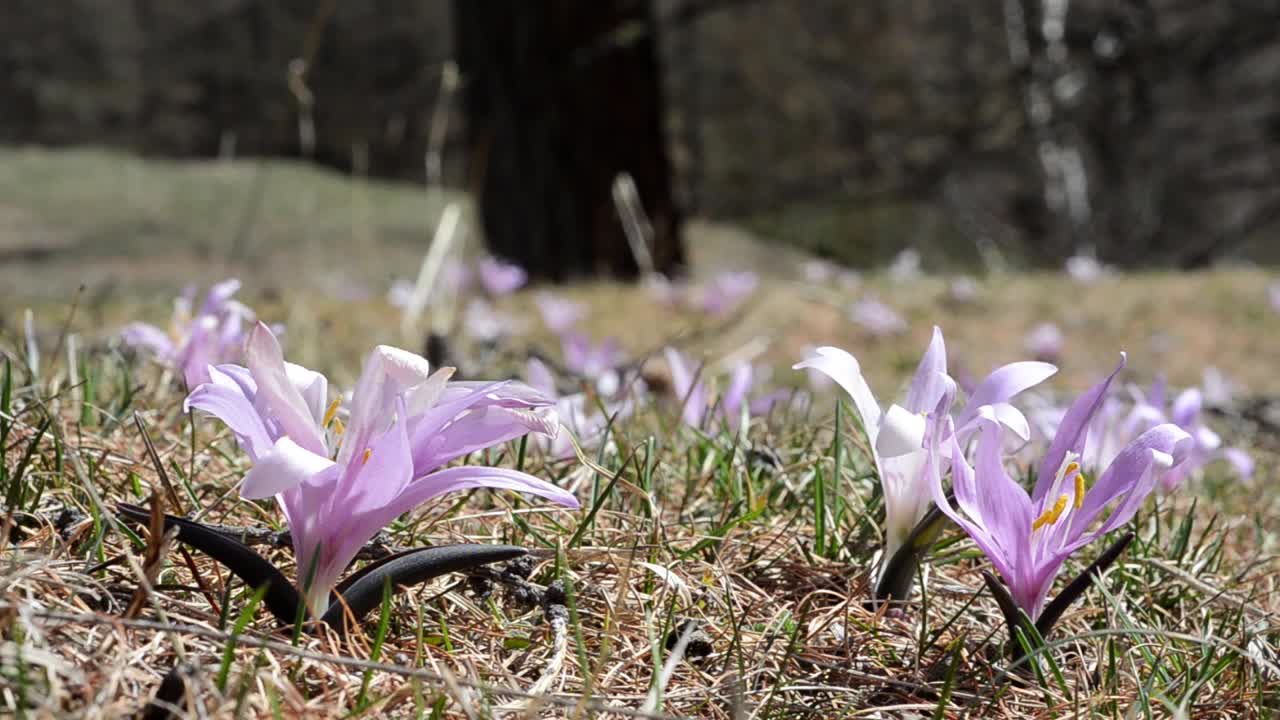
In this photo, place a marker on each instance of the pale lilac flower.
(559, 314)
(499, 277)
(1086, 269)
(1217, 388)
(818, 272)
(897, 436)
(586, 417)
(727, 290)
(1029, 537)
(481, 321)
(1151, 408)
(905, 267)
(1045, 342)
(212, 334)
(877, 318)
(1273, 295)
(594, 361)
(400, 294)
(964, 289)
(338, 487)
(697, 410)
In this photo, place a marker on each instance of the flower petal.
(1072, 430)
(1003, 383)
(926, 385)
(277, 395)
(844, 369)
(1186, 408)
(148, 337)
(226, 400)
(901, 432)
(285, 466)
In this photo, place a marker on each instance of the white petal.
(286, 466)
(844, 369)
(901, 432)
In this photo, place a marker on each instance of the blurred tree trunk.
(561, 97)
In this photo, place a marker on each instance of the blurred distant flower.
(400, 293)
(905, 266)
(499, 277)
(697, 410)
(196, 339)
(963, 289)
(586, 416)
(593, 361)
(339, 485)
(877, 318)
(1273, 294)
(559, 314)
(1029, 537)
(1151, 408)
(1085, 269)
(485, 324)
(727, 290)
(818, 272)
(1045, 342)
(1217, 388)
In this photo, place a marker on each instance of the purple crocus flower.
(897, 436)
(727, 290)
(876, 317)
(587, 417)
(1029, 537)
(339, 486)
(499, 277)
(691, 391)
(1151, 408)
(1273, 295)
(196, 339)
(559, 314)
(1045, 342)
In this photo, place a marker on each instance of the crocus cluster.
(603, 395)
(341, 471)
(716, 297)
(197, 337)
(897, 436)
(700, 408)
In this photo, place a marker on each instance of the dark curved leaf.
(363, 590)
(171, 695)
(282, 597)
(1053, 611)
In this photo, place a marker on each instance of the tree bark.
(560, 98)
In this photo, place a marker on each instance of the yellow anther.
(338, 427)
(1080, 486)
(332, 412)
(368, 453)
(1070, 468)
(1051, 516)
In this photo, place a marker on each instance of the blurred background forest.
(1009, 131)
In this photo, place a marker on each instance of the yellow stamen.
(1070, 468)
(368, 452)
(1051, 516)
(332, 412)
(338, 427)
(1080, 486)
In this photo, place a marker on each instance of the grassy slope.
(736, 541)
